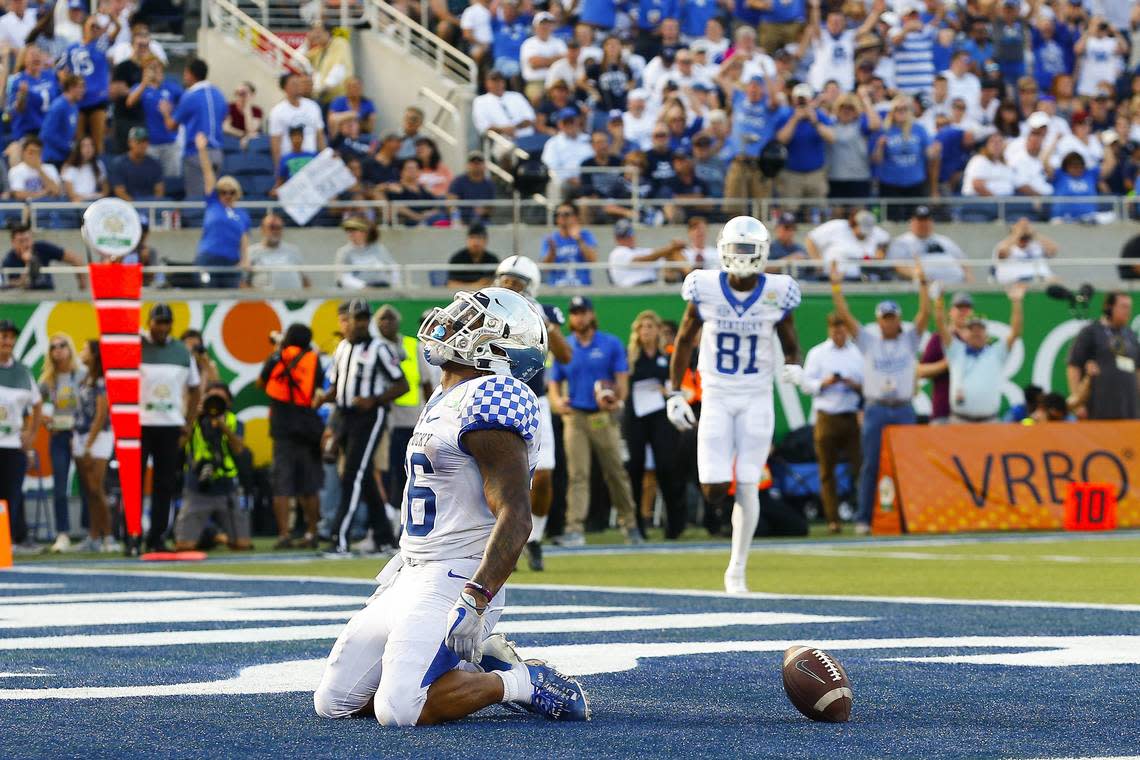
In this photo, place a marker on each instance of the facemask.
(438, 354)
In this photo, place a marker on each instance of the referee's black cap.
(355, 307)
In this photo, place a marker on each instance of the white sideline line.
(919, 600)
(25, 586)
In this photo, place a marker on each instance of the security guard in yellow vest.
(422, 379)
(211, 476)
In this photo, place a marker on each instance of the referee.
(364, 378)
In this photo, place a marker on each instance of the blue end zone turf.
(191, 666)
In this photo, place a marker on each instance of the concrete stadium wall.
(232, 62)
(435, 245)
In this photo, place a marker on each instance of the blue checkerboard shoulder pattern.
(788, 289)
(501, 402)
(690, 288)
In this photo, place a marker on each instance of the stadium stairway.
(401, 62)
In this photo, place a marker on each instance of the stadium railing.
(229, 18)
(540, 211)
(428, 279)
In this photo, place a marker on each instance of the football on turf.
(817, 684)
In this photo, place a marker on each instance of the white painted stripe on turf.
(576, 659)
(25, 675)
(175, 638)
(669, 622)
(24, 586)
(825, 701)
(115, 596)
(917, 600)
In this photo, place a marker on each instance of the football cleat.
(534, 556)
(498, 653)
(734, 582)
(556, 696)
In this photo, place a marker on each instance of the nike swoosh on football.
(803, 668)
(465, 578)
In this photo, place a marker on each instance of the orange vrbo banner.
(953, 478)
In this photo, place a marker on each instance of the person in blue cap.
(889, 363)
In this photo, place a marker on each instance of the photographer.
(1021, 256)
(806, 130)
(211, 477)
(207, 369)
(290, 377)
(1104, 356)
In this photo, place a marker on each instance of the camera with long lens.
(213, 408)
(1078, 299)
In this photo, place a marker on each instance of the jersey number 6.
(728, 354)
(415, 523)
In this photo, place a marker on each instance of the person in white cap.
(1028, 157)
(806, 131)
(538, 53)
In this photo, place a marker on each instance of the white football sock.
(745, 515)
(537, 527)
(516, 684)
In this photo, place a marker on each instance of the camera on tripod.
(1078, 300)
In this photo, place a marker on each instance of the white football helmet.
(493, 329)
(743, 246)
(521, 268)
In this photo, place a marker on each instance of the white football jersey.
(739, 351)
(444, 512)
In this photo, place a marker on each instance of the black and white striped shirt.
(363, 370)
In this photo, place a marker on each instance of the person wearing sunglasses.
(224, 246)
(272, 251)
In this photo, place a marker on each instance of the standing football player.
(420, 652)
(520, 274)
(741, 310)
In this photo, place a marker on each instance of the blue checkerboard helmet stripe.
(493, 329)
(743, 246)
(502, 403)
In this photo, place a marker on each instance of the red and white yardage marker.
(117, 289)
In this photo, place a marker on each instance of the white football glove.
(465, 629)
(679, 412)
(792, 373)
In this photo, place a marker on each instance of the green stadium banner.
(237, 334)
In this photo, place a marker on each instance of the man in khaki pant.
(596, 385)
(833, 376)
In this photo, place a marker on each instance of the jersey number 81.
(728, 354)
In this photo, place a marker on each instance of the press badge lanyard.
(1118, 345)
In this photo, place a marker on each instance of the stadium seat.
(231, 144)
(259, 144)
(256, 186)
(242, 164)
(437, 278)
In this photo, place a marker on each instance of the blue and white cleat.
(498, 653)
(556, 696)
